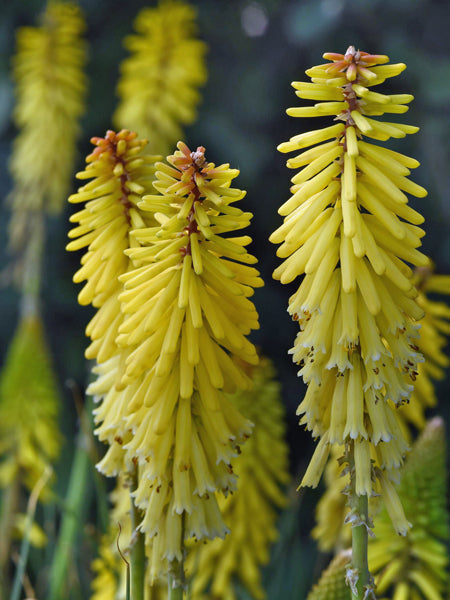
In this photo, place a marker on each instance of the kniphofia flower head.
(50, 89)
(187, 313)
(250, 512)
(29, 407)
(348, 230)
(159, 82)
(119, 176)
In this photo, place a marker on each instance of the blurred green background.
(255, 50)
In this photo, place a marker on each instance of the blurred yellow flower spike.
(29, 407)
(349, 233)
(250, 512)
(434, 332)
(48, 73)
(158, 88)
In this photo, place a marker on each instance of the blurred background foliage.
(255, 50)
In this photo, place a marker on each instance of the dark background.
(255, 50)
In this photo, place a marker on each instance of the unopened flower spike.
(29, 407)
(50, 89)
(250, 512)
(187, 313)
(416, 566)
(332, 583)
(158, 88)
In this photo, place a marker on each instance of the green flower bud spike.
(416, 566)
(332, 584)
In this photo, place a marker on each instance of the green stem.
(177, 578)
(137, 549)
(174, 593)
(32, 268)
(25, 545)
(76, 500)
(359, 506)
(10, 503)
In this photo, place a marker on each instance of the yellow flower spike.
(48, 73)
(29, 407)
(435, 327)
(158, 88)
(370, 341)
(250, 511)
(416, 565)
(119, 175)
(182, 345)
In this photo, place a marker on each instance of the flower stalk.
(358, 576)
(137, 554)
(10, 501)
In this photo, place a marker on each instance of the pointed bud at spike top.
(350, 53)
(352, 72)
